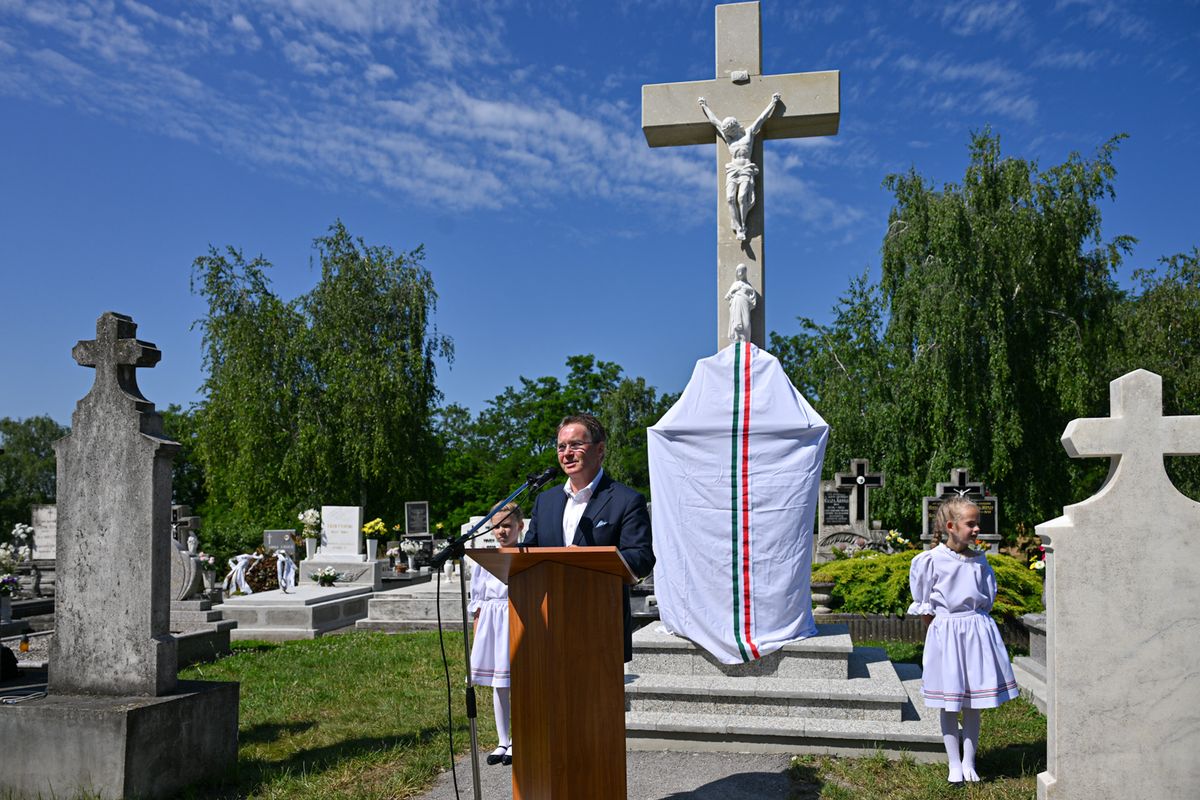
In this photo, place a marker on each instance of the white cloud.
(376, 73)
(1005, 18)
(1057, 58)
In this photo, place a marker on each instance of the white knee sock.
(501, 706)
(949, 720)
(970, 743)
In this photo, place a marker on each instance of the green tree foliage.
(325, 399)
(486, 457)
(187, 477)
(990, 329)
(27, 467)
(1160, 331)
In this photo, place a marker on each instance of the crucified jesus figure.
(741, 169)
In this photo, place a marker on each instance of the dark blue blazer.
(615, 516)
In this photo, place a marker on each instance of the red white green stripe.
(740, 502)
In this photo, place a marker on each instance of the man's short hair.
(594, 428)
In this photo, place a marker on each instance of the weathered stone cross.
(810, 106)
(115, 354)
(1136, 436)
(859, 482)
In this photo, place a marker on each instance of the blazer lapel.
(600, 498)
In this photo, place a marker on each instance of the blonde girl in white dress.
(966, 667)
(489, 650)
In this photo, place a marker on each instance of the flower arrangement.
(978, 546)
(897, 541)
(22, 533)
(311, 520)
(10, 556)
(325, 577)
(375, 529)
(393, 552)
(206, 561)
(410, 547)
(1038, 562)
(9, 585)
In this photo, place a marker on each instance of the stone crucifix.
(783, 106)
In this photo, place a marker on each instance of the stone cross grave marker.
(961, 485)
(1123, 701)
(859, 482)
(810, 105)
(845, 509)
(112, 606)
(341, 533)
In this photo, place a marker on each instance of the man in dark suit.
(591, 509)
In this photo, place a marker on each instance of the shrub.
(873, 583)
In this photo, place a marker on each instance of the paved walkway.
(653, 776)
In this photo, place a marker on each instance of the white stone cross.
(115, 354)
(1136, 435)
(810, 106)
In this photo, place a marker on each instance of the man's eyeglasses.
(574, 447)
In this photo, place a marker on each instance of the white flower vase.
(310, 547)
(412, 563)
(372, 549)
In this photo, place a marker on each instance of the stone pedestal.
(305, 613)
(114, 747)
(1030, 670)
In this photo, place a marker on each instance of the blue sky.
(505, 137)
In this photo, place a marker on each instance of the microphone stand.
(456, 549)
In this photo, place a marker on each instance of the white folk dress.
(965, 665)
(489, 652)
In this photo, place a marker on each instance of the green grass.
(1012, 751)
(362, 715)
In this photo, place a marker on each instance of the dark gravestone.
(961, 485)
(280, 540)
(416, 517)
(836, 504)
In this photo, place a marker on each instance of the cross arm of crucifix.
(813, 107)
(768, 111)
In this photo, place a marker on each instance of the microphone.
(537, 481)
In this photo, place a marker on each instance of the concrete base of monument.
(1031, 680)
(303, 613)
(414, 607)
(367, 573)
(819, 695)
(199, 630)
(112, 747)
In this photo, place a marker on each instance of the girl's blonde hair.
(951, 509)
(511, 512)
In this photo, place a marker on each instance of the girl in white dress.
(966, 667)
(489, 651)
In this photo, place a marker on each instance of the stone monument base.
(112, 747)
(367, 573)
(306, 612)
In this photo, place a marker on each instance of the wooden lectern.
(568, 678)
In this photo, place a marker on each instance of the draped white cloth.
(285, 571)
(238, 566)
(735, 467)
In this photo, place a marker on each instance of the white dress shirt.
(576, 503)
